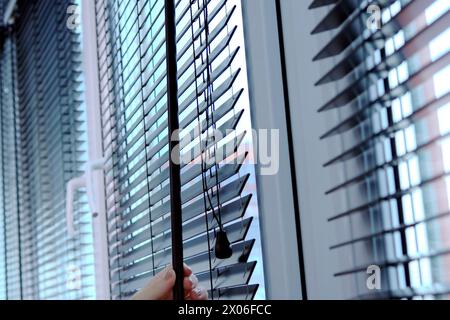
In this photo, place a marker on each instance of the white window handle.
(85, 181)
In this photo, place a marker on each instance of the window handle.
(84, 181)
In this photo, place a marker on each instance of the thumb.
(159, 288)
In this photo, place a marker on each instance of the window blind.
(43, 142)
(392, 98)
(132, 73)
(10, 269)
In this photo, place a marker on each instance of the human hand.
(161, 286)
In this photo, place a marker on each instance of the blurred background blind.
(43, 146)
(391, 74)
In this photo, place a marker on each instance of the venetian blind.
(132, 72)
(390, 73)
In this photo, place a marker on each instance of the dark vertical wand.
(174, 152)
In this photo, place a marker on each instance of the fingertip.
(199, 294)
(187, 284)
(187, 270)
(170, 275)
(190, 282)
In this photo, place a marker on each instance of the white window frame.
(277, 214)
(93, 178)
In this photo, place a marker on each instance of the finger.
(199, 294)
(190, 283)
(159, 288)
(187, 270)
